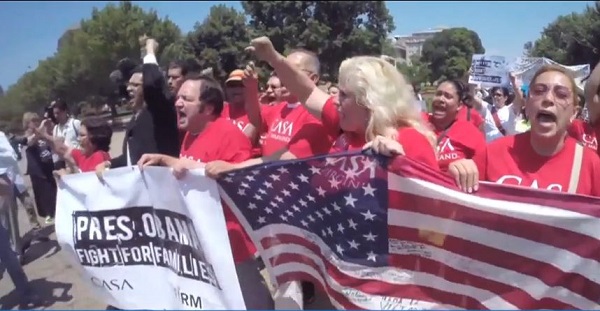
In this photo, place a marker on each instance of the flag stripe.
(487, 239)
(371, 288)
(587, 247)
(586, 224)
(531, 286)
(513, 295)
(547, 273)
(284, 243)
(443, 184)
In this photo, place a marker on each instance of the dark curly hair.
(99, 132)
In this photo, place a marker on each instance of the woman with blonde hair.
(375, 106)
(545, 157)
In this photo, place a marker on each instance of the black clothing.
(154, 130)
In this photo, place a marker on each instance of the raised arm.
(592, 99)
(296, 81)
(251, 102)
(519, 101)
(156, 94)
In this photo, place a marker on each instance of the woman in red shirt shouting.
(457, 138)
(545, 157)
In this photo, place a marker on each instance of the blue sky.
(30, 30)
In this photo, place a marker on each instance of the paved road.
(57, 282)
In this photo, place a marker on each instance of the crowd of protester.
(186, 119)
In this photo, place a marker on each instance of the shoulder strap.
(576, 168)
(497, 121)
(74, 127)
(443, 134)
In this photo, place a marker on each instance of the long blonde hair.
(379, 86)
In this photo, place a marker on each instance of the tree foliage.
(335, 30)
(418, 72)
(83, 69)
(79, 70)
(449, 53)
(219, 41)
(571, 39)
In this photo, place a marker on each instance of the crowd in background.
(186, 119)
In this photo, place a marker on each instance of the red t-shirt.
(237, 115)
(476, 118)
(221, 140)
(292, 126)
(511, 160)
(415, 145)
(585, 133)
(89, 163)
(239, 118)
(462, 140)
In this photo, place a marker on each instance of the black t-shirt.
(39, 160)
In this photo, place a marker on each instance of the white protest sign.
(489, 71)
(148, 241)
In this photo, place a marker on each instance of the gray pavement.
(57, 282)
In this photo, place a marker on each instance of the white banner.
(489, 71)
(148, 241)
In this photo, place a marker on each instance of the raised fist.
(263, 49)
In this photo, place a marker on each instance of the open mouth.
(438, 110)
(181, 115)
(545, 117)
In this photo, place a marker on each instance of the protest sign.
(148, 241)
(489, 71)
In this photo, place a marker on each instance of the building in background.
(68, 35)
(407, 46)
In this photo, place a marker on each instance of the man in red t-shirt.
(291, 131)
(234, 109)
(209, 137)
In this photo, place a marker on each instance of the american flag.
(401, 236)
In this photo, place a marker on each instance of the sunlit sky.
(30, 30)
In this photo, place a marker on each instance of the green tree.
(571, 39)
(449, 53)
(80, 69)
(417, 72)
(219, 41)
(336, 30)
(175, 51)
(1, 91)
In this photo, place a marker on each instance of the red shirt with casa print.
(292, 126)
(221, 140)
(237, 115)
(89, 163)
(470, 115)
(462, 140)
(585, 133)
(511, 160)
(239, 118)
(415, 145)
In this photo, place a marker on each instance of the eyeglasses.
(498, 95)
(560, 92)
